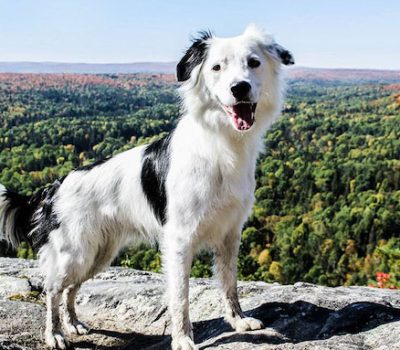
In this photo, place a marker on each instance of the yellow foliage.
(36, 175)
(348, 280)
(368, 265)
(254, 252)
(318, 205)
(16, 111)
(275, 270)
(265, 258)
(326, 246)
(382, 242)
(351, 247)
(297, 250)
(352, 185)
(82, 156)
(271, 221)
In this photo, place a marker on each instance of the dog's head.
(234, 75)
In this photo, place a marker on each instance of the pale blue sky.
(320, 33)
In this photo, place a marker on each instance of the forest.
(327, 205)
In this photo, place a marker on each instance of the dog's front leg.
(178, 257)
(225, 269)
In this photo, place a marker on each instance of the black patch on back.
(93, 165)
(193, 56)
(25, 219)
(47, 221)
(155, 168)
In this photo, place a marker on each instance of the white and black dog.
(191, 190)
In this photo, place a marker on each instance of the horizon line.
(175, 62)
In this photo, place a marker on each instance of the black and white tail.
(15, 217)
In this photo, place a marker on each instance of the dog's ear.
(268, 44)
(194, 56)
(279, 53)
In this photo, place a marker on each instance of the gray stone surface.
(125, 310)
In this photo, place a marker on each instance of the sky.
(320, 33)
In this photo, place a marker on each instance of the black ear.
(280, 53)
(193, 56)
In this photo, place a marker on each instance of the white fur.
(210, 186)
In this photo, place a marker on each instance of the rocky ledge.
(125, 310)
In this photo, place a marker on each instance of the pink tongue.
(242, 116)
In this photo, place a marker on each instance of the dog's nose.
(241, 90)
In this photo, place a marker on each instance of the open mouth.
(243, 114)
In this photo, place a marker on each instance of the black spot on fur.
(47, 220)
(93, 165)
(193, 56)
(154, 173)
(26, 218)
(281, 53)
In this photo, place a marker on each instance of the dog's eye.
(216, 68)
(253, 63)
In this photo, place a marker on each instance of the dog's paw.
(77, 328)
(56, 341)
(248, 324)
(183, 343)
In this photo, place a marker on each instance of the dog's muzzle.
(243, 114)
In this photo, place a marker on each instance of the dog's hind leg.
(62, 270)
(225, 268)
(71, 323)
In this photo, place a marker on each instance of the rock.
(125, 309)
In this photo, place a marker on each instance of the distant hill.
(92, 68)
(298, 73)
(343, 74)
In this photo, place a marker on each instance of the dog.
(191, 190)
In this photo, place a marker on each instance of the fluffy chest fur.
(211, 179)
